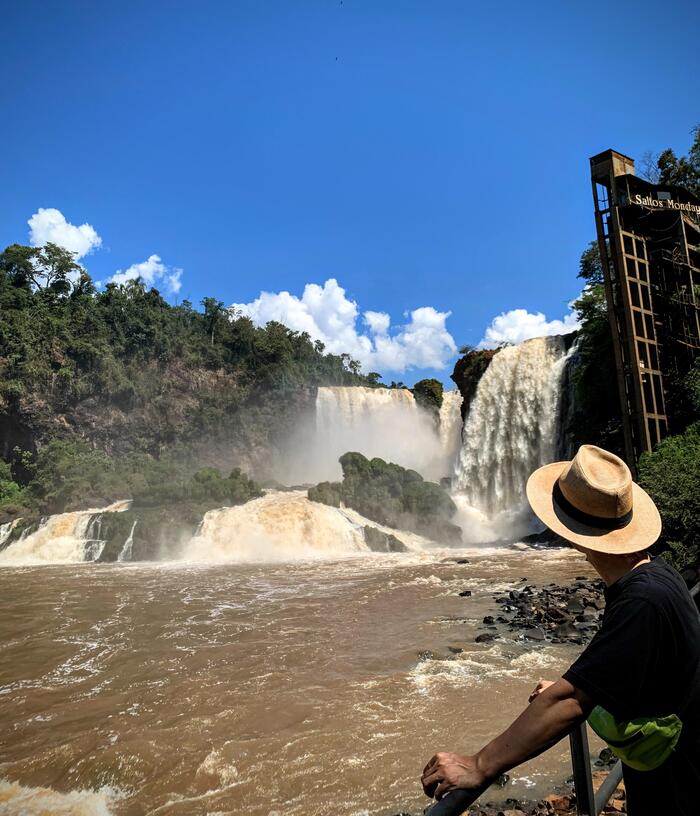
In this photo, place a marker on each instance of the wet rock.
(565, 630)
(484, 637)
(455, 649)
(553, 613)
(465, 593)
(379, 541)
(536, 633)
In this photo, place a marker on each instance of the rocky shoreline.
(551, 613)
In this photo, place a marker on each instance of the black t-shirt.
(643, 663)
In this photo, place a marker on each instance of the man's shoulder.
(656, 583)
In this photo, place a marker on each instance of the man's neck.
(613, 567)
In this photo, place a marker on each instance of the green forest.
(74, 358)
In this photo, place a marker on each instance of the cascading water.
(126, 551)
(282, 526)
(6, 529)
(383, 422)
(511, 429)
(450, 426)
(64, 538)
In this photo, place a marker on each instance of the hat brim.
(641, 532)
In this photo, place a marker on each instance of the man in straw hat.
(637, 681)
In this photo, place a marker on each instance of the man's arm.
(549, 717)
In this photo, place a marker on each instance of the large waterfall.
(383, 422)
(511, 429)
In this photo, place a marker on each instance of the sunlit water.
(259, 689)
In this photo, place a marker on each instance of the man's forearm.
(544, 722)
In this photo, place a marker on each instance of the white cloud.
(519, 324)
(153, 272)
(377, 322)
(329, 316)
(49, 225)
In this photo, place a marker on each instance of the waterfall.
(64, 538)
(383, 422)
(126, 550)
(511, 429)
(285, 526)
(450, 427)
(6, 529)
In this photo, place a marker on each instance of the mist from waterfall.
(511, 429)
(382, 422)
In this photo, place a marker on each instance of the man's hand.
(539, 688)
(447, 771)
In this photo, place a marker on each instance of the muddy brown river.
(261, 689)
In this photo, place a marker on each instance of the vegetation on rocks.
(207, 486)
(391, 495)
(428, 394)
(468, 370)
(671, 476)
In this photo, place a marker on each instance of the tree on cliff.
(667, 168)
(49, 267)
(683, 171)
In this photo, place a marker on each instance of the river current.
(288, 688)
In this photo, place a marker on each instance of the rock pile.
(557, 614)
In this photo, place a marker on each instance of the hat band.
(588, 518)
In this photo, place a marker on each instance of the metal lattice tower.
(649, 240)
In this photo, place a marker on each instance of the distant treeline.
(103, 393)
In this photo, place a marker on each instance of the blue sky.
(420, 154)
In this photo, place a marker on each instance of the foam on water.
(20, 800)
(474, 668)
(282, 526)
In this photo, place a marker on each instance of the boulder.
(379, 541)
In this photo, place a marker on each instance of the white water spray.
(126, 551)
(65, 538)
(383, 422)
(284, 526)
(450, 427)
(511, 429)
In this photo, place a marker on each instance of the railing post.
(581, 764)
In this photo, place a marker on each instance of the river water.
(288, 688)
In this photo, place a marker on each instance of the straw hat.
(593, 503)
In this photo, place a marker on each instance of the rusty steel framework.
(649, 240)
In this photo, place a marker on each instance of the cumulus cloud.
(328, 315)
(519, 324)
(153, 272)
(49, 225)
